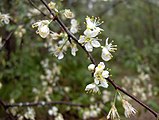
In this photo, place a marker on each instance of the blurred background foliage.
(132, 24)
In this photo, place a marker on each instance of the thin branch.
(94, 62)
(42, 103)
(32, 3)
(6, 39)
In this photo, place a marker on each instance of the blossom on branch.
(89, 40)
(113, 113)
(93, 23)
(43, 29)
(129, 110)
(109, 47)
(68, 14)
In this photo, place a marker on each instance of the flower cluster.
(100, 76)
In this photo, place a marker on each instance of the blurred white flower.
(43, 29)
(92, 88)
(68, 14)
(113, 113)
(89, 40)
(129, 110)
(86, 114)
(4, 18)
(53, 111)
(30, 114)
(109, 47)
(106, 96)
(59, 117)
(74, 26)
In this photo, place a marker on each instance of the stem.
(59, 21)
(27, 104)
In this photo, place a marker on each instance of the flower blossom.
(92, 88)
(74, 49)
(129, 110)
(100, 75)
(89, 40)
(93, 24)
(68, 14)
(53, 111)
(74, 26)
(113, 113)
(30, 114)
(109, 47)
(43, 29)
(4, 18)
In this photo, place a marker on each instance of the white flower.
(59, 117)
(129, 110)
(53, 111)
(92, 88)
(106, 55)
(52, 5)
(68, 14)
(93, 23)
(89, 40)
(59, 53)
(30, 114)
(91, 67)
(1, 85)
(86, 114)
(109, 47)
(5, 18)
(74, 26)
(43, 29)
(100, 67)
(100, 75)
(113, 113)
(74, 49)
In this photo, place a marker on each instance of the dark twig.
(32, 3)
(6, 39)
(29, 104)
(94, 62)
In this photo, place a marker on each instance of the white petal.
(60, 56)
(88, 47)
(82, 38)
(103, 83)
(106, 55)
(44, 31)
(87, 32)
(95, 43)
(96, 81)
(105, 74)
(91, 67)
